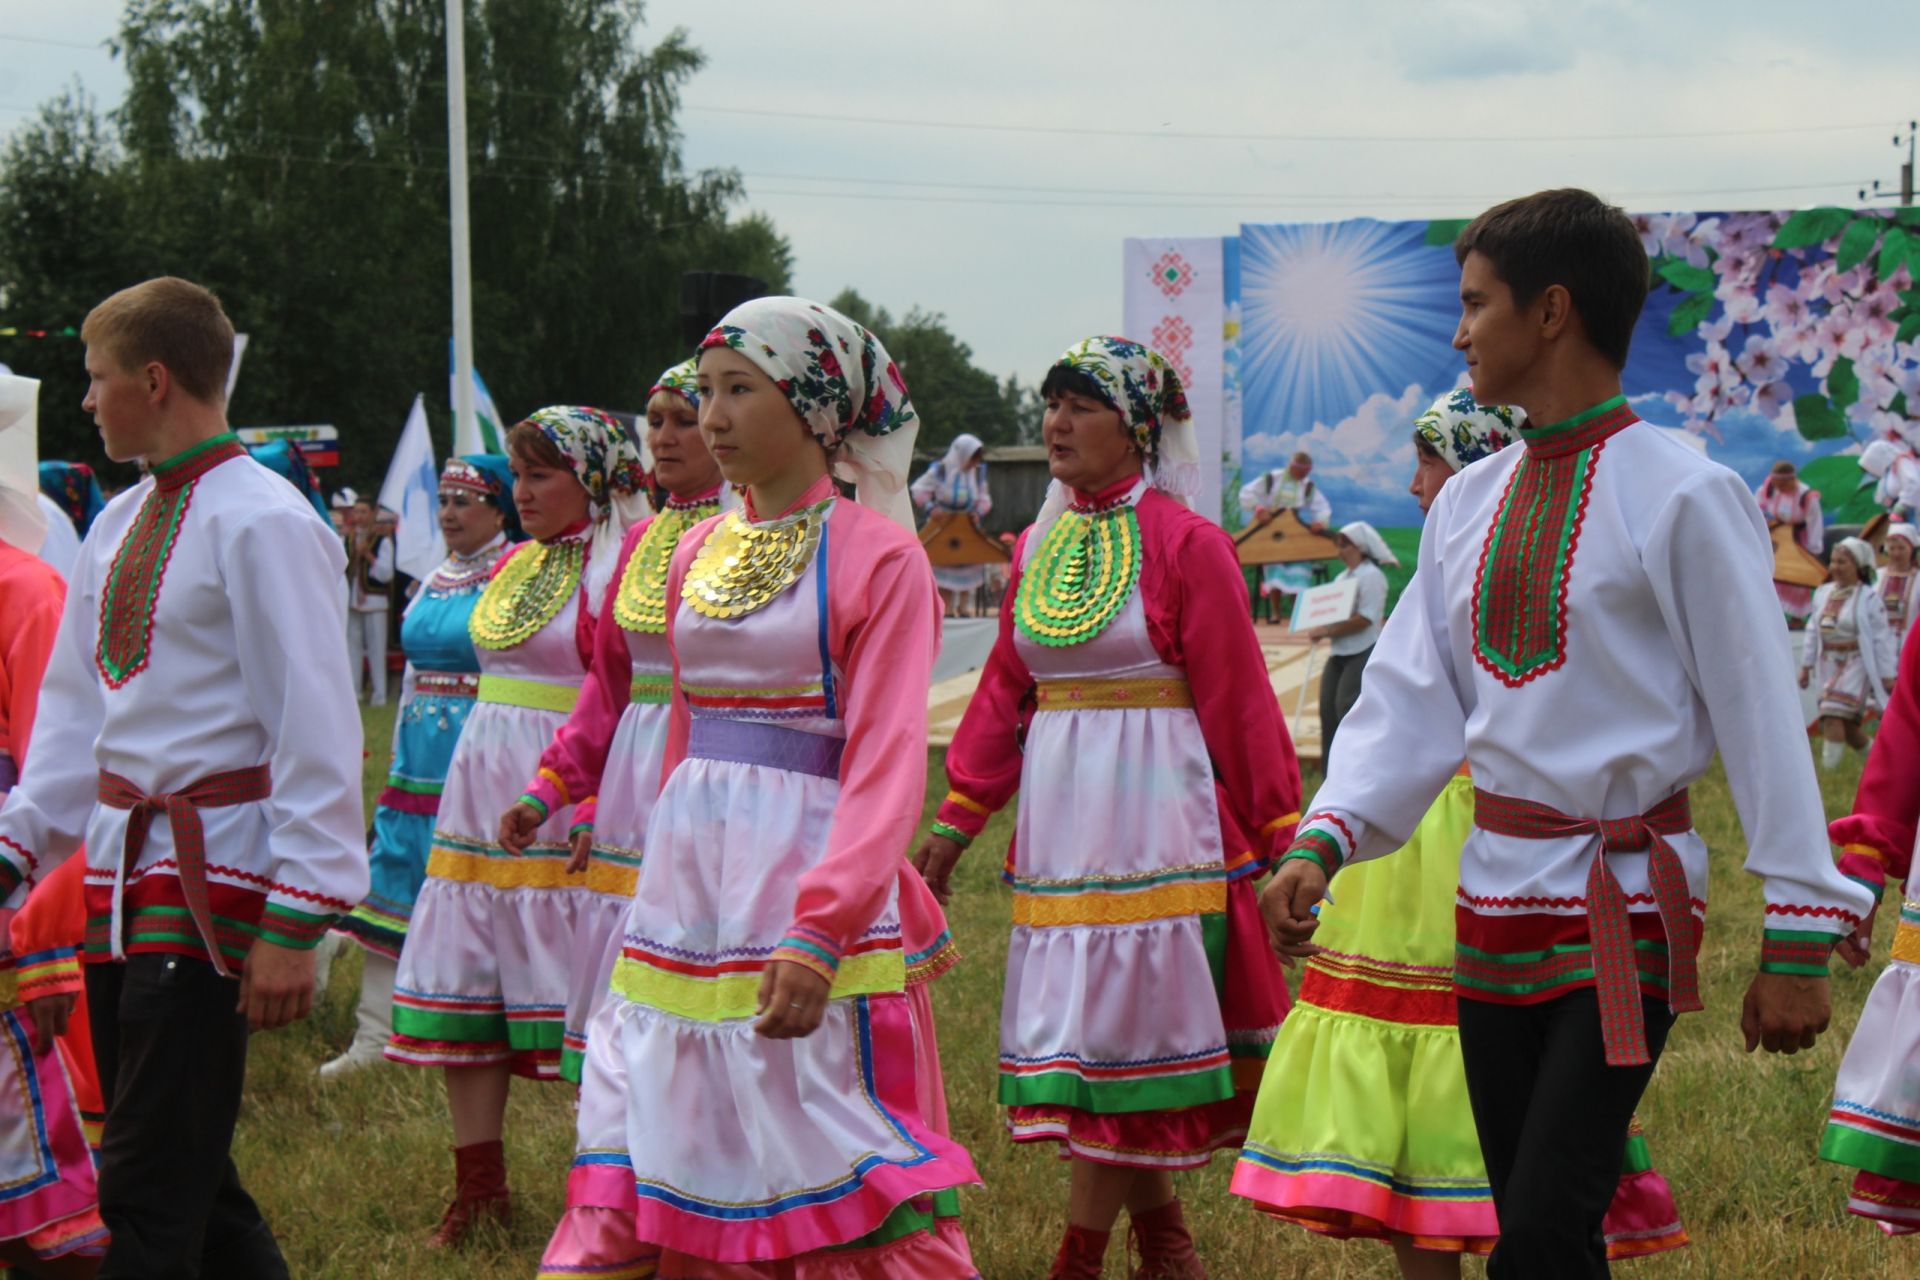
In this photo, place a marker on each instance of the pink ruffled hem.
(1642, 1219)
(942, 1255)
(1889, 1203)
(1352, 1208)
(902, 1031)
(596, 1241)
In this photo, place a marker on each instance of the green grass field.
(353, 1175)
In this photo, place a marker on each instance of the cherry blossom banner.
(1175, 303)
(1767, 335)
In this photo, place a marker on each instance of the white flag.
(233, 370)
(412, 492)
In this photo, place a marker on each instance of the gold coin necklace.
(742, 565)
(528, 592)
(641, 602)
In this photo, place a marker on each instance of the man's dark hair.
(1574, 239)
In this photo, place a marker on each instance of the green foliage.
(1842, 499)
(1856, 242)
(293, 157)
(1843, 384)
(1691, 311)
(1810, 227)
(1896, 250)
(951, 393)
(1683, 275)
(1817, 418)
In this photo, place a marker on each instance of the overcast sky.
(986, 159)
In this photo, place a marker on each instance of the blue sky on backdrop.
(986, 160)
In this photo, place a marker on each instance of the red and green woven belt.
(1616, 977)
(215, 791)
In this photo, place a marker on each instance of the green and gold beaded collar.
(640, 604)
(743, 565)
(1081, 576)
(125, 645)
(529, 592)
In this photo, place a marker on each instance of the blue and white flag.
(412, 492)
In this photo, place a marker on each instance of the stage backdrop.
(1176, 304)
(1791, 334)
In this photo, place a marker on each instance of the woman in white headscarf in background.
(1900, 582)
(1850, 649)
(957, 483)
(1362, 551)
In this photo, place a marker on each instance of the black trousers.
(1552, 1118)
(173, 1057)
(1339, 690)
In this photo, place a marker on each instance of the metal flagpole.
(465, 428)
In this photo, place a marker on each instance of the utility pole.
(465, 427)
(1906, 169)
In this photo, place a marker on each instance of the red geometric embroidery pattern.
(1526, 562)
(1171, 274)
(1173, 338)
(133, 580)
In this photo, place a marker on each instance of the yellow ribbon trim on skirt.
(1163, 902)
(504, 871)
(737, 995)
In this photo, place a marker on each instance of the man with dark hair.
(1593, 616)
(196, 730)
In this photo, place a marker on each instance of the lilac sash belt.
(8, 776)
(750, 742)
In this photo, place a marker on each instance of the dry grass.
(353, 1175)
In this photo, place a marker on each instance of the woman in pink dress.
(769, 1041)
(1127, 700)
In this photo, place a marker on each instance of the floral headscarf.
(1462, 431)
(1140, 385)
(680, 381)
(843, 385)
(1134, 379)
(491, 476)
(603, 453)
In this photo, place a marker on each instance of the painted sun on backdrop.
(1337, 312)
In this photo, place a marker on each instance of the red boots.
(480, 1194)
(1166, 1249)
(1081, 1254)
